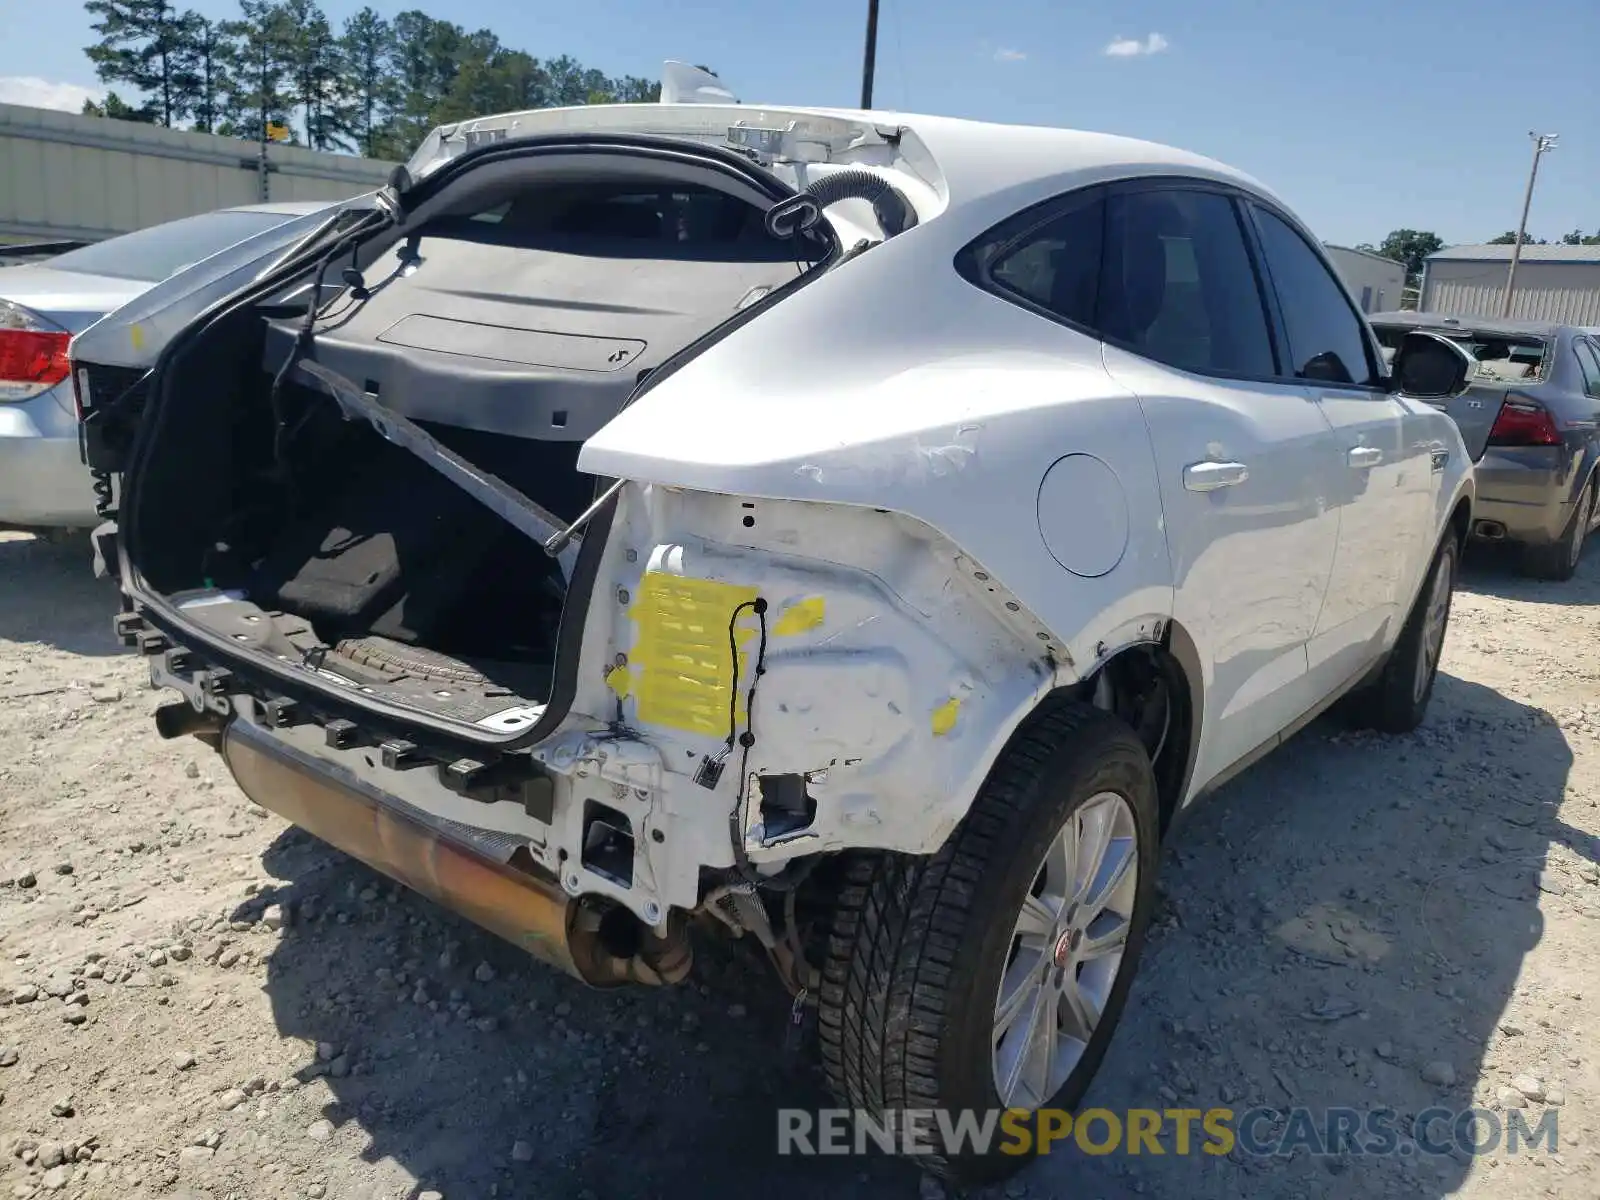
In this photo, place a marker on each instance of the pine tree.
(261, 61)
(315, 74)
(412, 67)
(140, 42)
(205, 51)
(366, 47)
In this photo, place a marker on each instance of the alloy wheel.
(1067, 948)
(1580, 524)
(1435, 622)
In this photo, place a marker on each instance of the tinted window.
(1326, 341)
(1589, 361)
(1056, 265)
(161, 250)
(1178, 286)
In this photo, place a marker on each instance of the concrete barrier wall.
(64, 176)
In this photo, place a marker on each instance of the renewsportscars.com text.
(1258, 1132)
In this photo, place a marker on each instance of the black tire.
(918, 945)
(1393, 703)
(1559, 561)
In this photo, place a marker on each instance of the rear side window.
(1589, 364)
(1326, 341)
(1162, 271)
(157, 251)
(1177, 284)
(1055, 266)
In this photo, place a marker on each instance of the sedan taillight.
(1524, 422)
(33, 353)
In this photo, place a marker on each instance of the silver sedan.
(43, 483)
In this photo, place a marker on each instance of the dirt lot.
(197, 1001)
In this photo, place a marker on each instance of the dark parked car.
(1533, 409)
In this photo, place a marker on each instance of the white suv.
(864, 531)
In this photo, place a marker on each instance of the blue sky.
(1365, 116)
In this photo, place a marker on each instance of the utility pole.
(869, 58)
(261, 161)
(1543, 143)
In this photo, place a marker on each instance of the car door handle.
(1364, 458)
(1209, 476)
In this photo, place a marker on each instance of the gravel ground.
(197, 1001)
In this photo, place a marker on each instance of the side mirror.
(1430, 367)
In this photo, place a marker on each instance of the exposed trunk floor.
(491, 694)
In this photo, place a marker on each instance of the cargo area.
(509, 325)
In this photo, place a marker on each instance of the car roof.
(968, 161)
(1447, 322)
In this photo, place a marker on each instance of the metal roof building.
(1560, 284)
(1376, 282)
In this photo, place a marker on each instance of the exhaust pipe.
(603, 947)
(1489, 531)
(176, 720)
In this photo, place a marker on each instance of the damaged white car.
(861, 532)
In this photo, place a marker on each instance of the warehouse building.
(1554, 283)
(1375, 281)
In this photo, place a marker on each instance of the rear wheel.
(992, 974)
(1559, 561)
(1397, 700)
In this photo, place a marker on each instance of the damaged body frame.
(652, 530)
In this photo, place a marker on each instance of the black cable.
(275, 393)
(787, 880)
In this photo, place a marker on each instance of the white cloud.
(1006, 54)
(1122, 47)
(41, 93)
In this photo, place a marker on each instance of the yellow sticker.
(136, 336)
(682, 671)
(944, 717)
(620, 681)
(800, 617)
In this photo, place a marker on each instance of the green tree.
(205, 50)
(365, 47)
(261, 64)
(477, 83)
(424, 65)
(1578, 238)
(1509, 238)
(118, 109)
(315, 76)
(140, 45)
(631, 89)
(1410, 246)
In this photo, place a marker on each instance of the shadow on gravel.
(637, 1093)
(1353, 909)
(1492, 570)
(48, 593)
(1349, 912)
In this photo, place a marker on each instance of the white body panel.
(951, 505)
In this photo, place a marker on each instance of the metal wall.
(64, 176)
(1376, 283)
(1564, 293)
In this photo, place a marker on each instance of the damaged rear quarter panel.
(890, 676)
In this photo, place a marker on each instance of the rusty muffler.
(602, 947)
